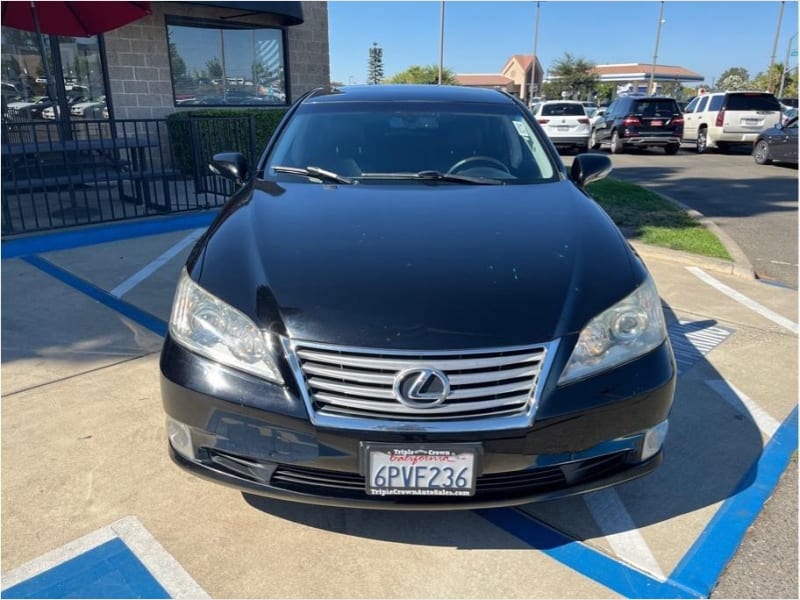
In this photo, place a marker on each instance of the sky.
(480, 36)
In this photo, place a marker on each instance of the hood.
(418, 266)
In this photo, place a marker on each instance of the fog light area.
(180, 437)
(654, 439)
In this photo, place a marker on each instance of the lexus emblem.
(421, 388)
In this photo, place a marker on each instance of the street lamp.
(441, 43)
(786, 68)
(655, 53)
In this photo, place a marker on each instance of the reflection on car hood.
(422, 266)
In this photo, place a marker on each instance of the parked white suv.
(565, 122)
(719, 119)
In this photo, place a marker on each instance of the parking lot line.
(734, 396)
(702, 565)
(134, 313)
(744, 300)
(132, 281)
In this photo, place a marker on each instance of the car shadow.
(712, 444)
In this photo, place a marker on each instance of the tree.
(375, 67)
(178, 64)
(740, 72)
(424, 74)
(575, 76)
(214, 68)
(733, 82)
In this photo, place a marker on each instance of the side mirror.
(779, 126)
(231, 165)
(587, 168)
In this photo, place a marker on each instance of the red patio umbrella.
(74, 18)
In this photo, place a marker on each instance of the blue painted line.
(702, 565)
(591, 563)
(65, 240)
(110, 570)
(143, 318)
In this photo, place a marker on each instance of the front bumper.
(257, 437)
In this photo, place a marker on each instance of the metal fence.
(58, 174)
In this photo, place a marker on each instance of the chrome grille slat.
(357, 383)
(397, 408)
(398, 364)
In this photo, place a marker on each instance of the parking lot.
(87, 480)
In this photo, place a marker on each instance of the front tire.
(761, 153)
(702, 141)
(672, 148)
(616, 143)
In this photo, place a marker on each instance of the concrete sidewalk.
(83, 447)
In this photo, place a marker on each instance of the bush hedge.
(219, 130)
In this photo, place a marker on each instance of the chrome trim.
(515, 412)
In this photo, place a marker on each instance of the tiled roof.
(482, 79)
(641, 68)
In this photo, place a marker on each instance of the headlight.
(630, 328)
(209, 326)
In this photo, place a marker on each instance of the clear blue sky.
(705, 37)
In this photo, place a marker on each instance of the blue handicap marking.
(110, 570)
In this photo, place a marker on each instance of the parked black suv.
(639, 121)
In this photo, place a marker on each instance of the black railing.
(57, 174)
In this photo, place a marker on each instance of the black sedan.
(778, 143)
(410, 303)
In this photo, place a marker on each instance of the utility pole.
(774, 48)
(441, 43)
(655, 53)
(786, 68)
(533, 87)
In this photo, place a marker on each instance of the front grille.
(357, 382)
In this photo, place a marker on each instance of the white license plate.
(563, 127)
(656, 123)
(420, 471)
(750, 122)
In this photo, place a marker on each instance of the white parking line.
(160, 563)
(742, 299)
(132, 281)
(765, 422)
(624, 538)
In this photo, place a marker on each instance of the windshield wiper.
(439, 176)
(317, 172)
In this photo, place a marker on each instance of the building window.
(226, 65)
(78, 68)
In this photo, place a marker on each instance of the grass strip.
(649, 218)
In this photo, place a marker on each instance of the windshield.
(392, 141)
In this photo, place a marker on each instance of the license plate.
(563, 127)
(656, 123)
(750, 121)
(420, 471)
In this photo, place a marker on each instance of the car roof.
(407, 93)
(563, 102)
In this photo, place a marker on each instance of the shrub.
(220, 130)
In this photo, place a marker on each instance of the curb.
(740, 266)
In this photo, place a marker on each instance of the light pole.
(774, 48)
(441, 43)
(655, 53)
(533, 59)
(786, 68)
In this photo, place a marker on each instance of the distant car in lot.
(79, 108)
(26, 108)
(565, 122)
(640, 121)
(411, 303)
(721, 119)
(778, 144)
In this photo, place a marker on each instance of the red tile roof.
(480, 79)
(639, 68)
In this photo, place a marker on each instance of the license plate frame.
(410, 480)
